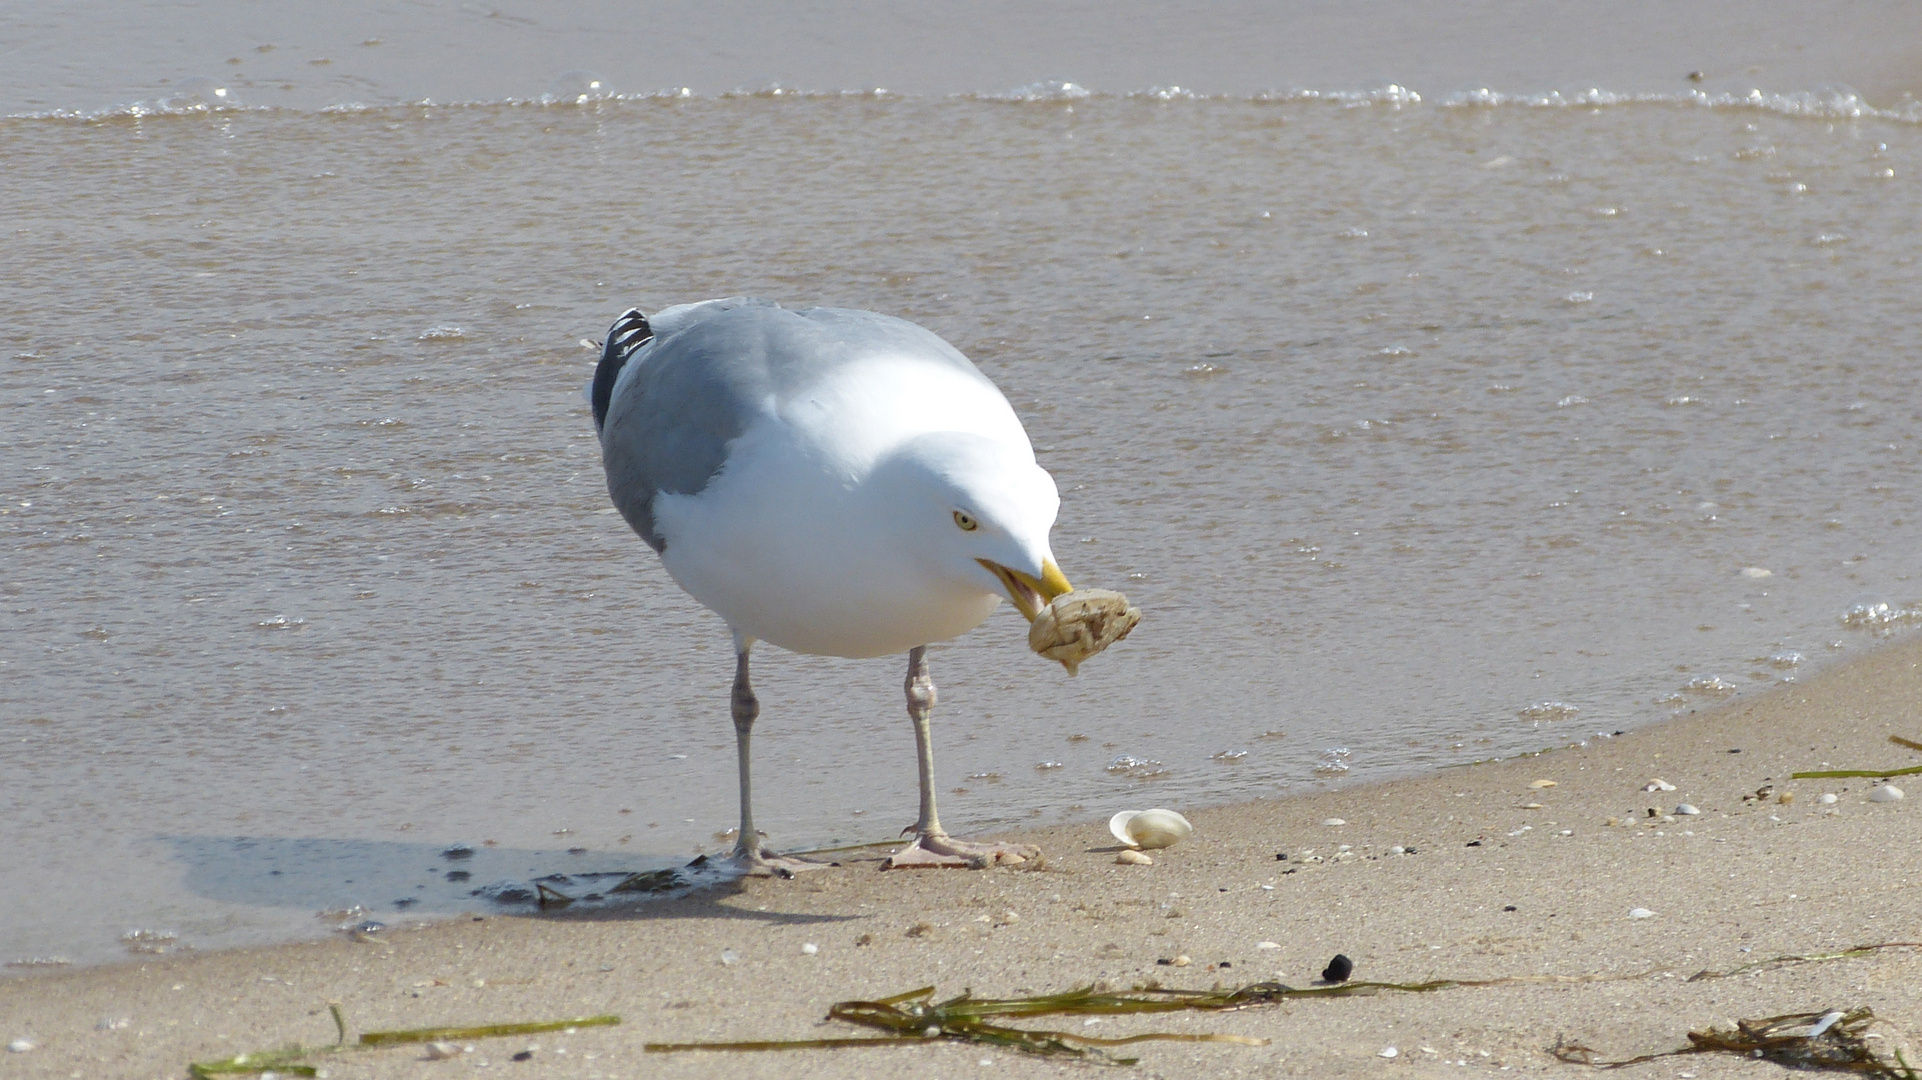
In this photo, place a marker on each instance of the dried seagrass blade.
(482, 1031)
(1831, 1041)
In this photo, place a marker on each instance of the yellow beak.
(1030, 594)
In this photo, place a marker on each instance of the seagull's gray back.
(711, 369)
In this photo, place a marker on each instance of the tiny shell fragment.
(1080, 624)
(1542, 784)
(1658, 784)
(1885, 793)
(1131, 857)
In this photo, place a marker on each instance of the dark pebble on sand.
(1338, 969)
(458, 851)
(458, 875)
(524, 1055)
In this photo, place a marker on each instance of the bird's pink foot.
(941, 851)
(765, 863)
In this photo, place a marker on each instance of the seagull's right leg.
(932, 846)
(748, 852)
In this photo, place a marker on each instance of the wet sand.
(1490, 887)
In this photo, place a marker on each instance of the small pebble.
(1388, 1052)
(1397, 850)
(1334, 821)
(1785, 798)
(442, 1051)
(1181, 961)
(1885, 793)
(1640, 913)
(20, 1046)
(1338, 969)
(729, 956)
(1827, 799)
(524, 1055)
(810, 949)
(1687, 810)
(1134, 858)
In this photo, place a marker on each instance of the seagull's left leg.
(933, 847)
(748, 854)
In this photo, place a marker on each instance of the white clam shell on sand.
(1157, 828)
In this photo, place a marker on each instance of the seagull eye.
(966, 521)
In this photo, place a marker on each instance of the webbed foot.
(941, 851)
(765, 863)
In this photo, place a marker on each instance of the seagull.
(832, 482)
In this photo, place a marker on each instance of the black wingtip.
(628, 333)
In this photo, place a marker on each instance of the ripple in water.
(1875, 613)
(1549, 710)
(1049, 90)
(1138, 768)
(1334, 761)
(577, 88)
(199, 92)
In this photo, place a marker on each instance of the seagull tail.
(628, 334)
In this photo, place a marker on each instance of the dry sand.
(1475, 897)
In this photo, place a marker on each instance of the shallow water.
(1421, 432)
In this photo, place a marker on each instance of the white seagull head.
(976, 511)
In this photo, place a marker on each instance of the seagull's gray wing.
(675, 400)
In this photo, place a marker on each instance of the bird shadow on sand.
(358, 881)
